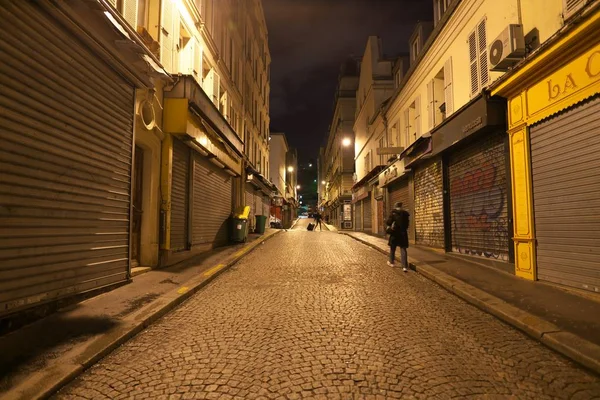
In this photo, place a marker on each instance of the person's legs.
(392, 253)
(404, 257)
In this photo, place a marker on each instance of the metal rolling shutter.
(267, 207)
(250, 203)
(180, 196)
(566, 194)
(258, 203)
(399, 192)
(368, 213)
(429, 208)
(358, 216)
(66, 126)
(478, 199)
(212, 203)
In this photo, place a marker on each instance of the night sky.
(309, 39)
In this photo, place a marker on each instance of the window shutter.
(430, 104)
(176, 34)
(571, 7)
(483, 59)
(197, 60)
(473, 64)
(166, 37)
(130, 11)
(216, 87)
(448, 95)
(406, 127)
(418, 115)
(113, 3)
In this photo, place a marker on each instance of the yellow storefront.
(554, 129)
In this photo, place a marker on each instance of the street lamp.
(315, 181)
(290, 169)
(298, 187)
(346, 142)
(323, 182)
(310, 165)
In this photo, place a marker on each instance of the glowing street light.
(310, 165)
(298, 187)
(315, 181)
(323, 183)
(346, 142)
(290, 169)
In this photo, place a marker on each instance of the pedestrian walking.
(318, 221)
(397, 227)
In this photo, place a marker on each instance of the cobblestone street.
(319, 315)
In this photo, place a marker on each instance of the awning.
(480, 115)
(260, 182)
(368, 176)
(421, 148)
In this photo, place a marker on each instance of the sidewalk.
(39, 358)
(567, 322)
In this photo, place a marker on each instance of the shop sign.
(573, 77)
(396, 170)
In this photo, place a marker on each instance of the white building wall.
(451, 46)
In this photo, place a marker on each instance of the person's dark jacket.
(399, 235)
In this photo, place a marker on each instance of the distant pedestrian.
(318, 221)
(397, 228)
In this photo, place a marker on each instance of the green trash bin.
(261, 222)
(239, 229)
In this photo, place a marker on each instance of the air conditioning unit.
(508, 48)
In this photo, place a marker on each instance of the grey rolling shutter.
(66, 126)
(368, 213)
(180, 196)
(212, 203)
(358, 216)
(478, 199)
(399, 192)
(566, 194)
(429, 209)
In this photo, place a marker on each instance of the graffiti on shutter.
(429, 208)
(478, 200)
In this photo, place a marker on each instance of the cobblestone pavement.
(322, 316)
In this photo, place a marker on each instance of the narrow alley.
(322, 316)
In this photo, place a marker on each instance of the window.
(440, 7)
(367, 160)
(414, 48)
(382, 145)
(478, 58)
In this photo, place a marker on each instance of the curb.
(568, 344)
(43, 384)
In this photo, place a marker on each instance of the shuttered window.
(478, 63)
(448, 90)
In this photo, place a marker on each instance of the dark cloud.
(309, 39)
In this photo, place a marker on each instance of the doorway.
(137, 211)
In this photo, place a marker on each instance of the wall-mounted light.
(323, 183)
(346, 142)
(298, 187)
(290, 169)
(310, 165)
(249, 177)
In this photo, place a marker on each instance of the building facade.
(155, 121)
(336, 163)
(376, 85)
(553, 123)
(215, 117)
(79, 87)
(283, 176)
(515, 201)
